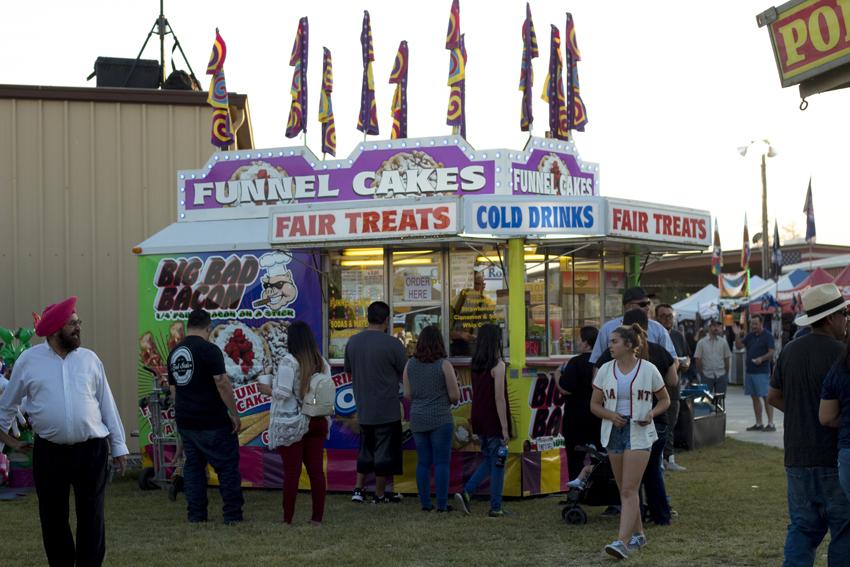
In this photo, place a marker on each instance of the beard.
(69, 341)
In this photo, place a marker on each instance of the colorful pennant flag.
(716, 253)
(298, 109)
(776, 259)
(576, 111)
(734, 285)
(526, 75)
(456, 113)
(745, 248)
(399, 78)
(221, 134)
(367, 120)
(553, 90)
(809, 209)
(326, 110)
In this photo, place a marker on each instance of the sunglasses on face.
(641, 304)
(276, 285)
(75, 323)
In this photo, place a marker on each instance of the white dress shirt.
(68, 399)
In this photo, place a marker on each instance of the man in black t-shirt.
(207, 419)
(653, 481)
(816, 501)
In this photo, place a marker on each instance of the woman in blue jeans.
(835, 411)
(431, 386)
(490, 417)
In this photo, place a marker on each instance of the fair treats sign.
(296, 225)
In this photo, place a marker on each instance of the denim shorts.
(620, 439)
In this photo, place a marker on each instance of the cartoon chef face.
(279, 290)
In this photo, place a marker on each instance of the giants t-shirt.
(192, 367)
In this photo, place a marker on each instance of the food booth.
(447, 235)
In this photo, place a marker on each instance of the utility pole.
(765, 246)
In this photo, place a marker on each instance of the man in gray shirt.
(375, 361)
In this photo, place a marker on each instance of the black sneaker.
(496, 514)
(462, 499)
(756, 427)
(387, 499)
(428, 509)
(357, 495)
(448, 508)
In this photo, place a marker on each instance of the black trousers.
(56, 469)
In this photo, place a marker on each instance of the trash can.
(737, 369)
(702, 419)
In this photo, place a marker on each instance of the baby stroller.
(162, 473)
(600, 488)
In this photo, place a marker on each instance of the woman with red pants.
(297, 437)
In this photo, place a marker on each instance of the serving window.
(479, 295)
(418, 286)
(355, 279)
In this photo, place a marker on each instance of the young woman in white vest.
(623, 393)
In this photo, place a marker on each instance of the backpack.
(320, 398)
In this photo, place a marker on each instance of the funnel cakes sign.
(244, 184)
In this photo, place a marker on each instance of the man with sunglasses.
(633, 298)
(76, 422)
(816, 501)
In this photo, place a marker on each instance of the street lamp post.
(769, 151)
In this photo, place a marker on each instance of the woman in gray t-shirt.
(431, 386)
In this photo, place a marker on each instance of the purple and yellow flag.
(221, 134)
(553, 91)
(745, 248)
(326, 110)
(367, 120)
(298, 109)
(399, 78)
(576, 111)
(456, 114)
(526, 75)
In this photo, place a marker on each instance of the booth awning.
(209, 236)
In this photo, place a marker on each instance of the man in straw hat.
(76, 422)
(816, 502)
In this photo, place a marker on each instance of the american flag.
(809, 209)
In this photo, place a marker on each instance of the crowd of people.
(620, 396)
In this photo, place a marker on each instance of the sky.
(672, 88)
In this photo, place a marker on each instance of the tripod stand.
(162, 28)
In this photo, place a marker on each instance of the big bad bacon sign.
(245, 184)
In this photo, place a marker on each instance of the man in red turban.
(77, 425)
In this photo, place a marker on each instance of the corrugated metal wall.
(81, 183)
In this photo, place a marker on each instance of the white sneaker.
(617, 549)
(672, 466)
(576, 483)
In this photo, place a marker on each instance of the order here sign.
(293, 225)
(637, 220)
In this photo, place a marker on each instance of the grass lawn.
(731, 506)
